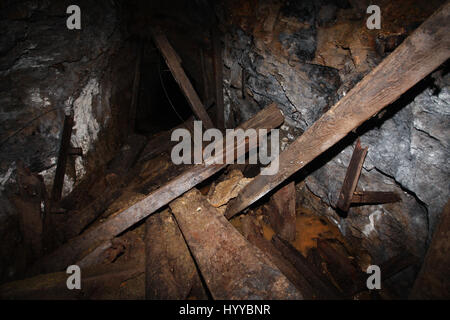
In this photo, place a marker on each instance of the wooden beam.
(62, 158)
(170, 271)
(433, 281)
(231, 266)
(352, 177)
(75, 249)
(281, 212)
(320, 284)
(421, 53)
(218, 78)
(180, 76)
(374, 197)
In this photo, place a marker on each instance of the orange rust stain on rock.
(309, 228)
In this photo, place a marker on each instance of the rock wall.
(305, 56)
(47, 70)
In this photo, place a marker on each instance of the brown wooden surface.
(374, 197)
(232, 267)
(433, 280)
(352, 177)
(78, 247)
(170, 271)
(344, 273)
(322, 287)
(218, 78)
(180, 76)
(254, 234)
(281, 212)
(62, 158)
(421, 53)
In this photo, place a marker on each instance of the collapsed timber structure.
(191, 246)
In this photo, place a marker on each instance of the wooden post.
(62, 158)
(352, 177)
(421, 53)
(231, 266)
(173, 62)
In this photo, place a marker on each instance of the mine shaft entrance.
(161, 104)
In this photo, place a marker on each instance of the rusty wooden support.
(374, 197)
(231, 266)
(433, 280)
(421, 53)
(218, 78)
(180, 76)
(170, 271)
(53, 286)
(352, 177)
(269, 118)
(340, 267)
(281, 212)
(62, 158)
(322, 287)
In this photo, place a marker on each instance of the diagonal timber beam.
(232, 267)
(421, 53)
(74, 250)
(173, 62)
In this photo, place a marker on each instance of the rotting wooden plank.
(374, 197)
(218, 78)
(340, 267)
(58, 182)
(281, 212)
(74, 250)
(421, 53)
(321, 286)
(170, 271)
(433, 281)
(352, 177)
(231, 266)
(180, 76)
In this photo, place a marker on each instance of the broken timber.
(281, 212)
(77, 248)
(64, 151)
(352, 177)
(231, 266)
(173, 62)
(421, 53)
(374, 197)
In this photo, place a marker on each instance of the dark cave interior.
(105, 194)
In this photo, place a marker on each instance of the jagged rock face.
(305, 56)
(46, 68)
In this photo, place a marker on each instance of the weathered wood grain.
(231, 266)
(77, 248)
(352, 177)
